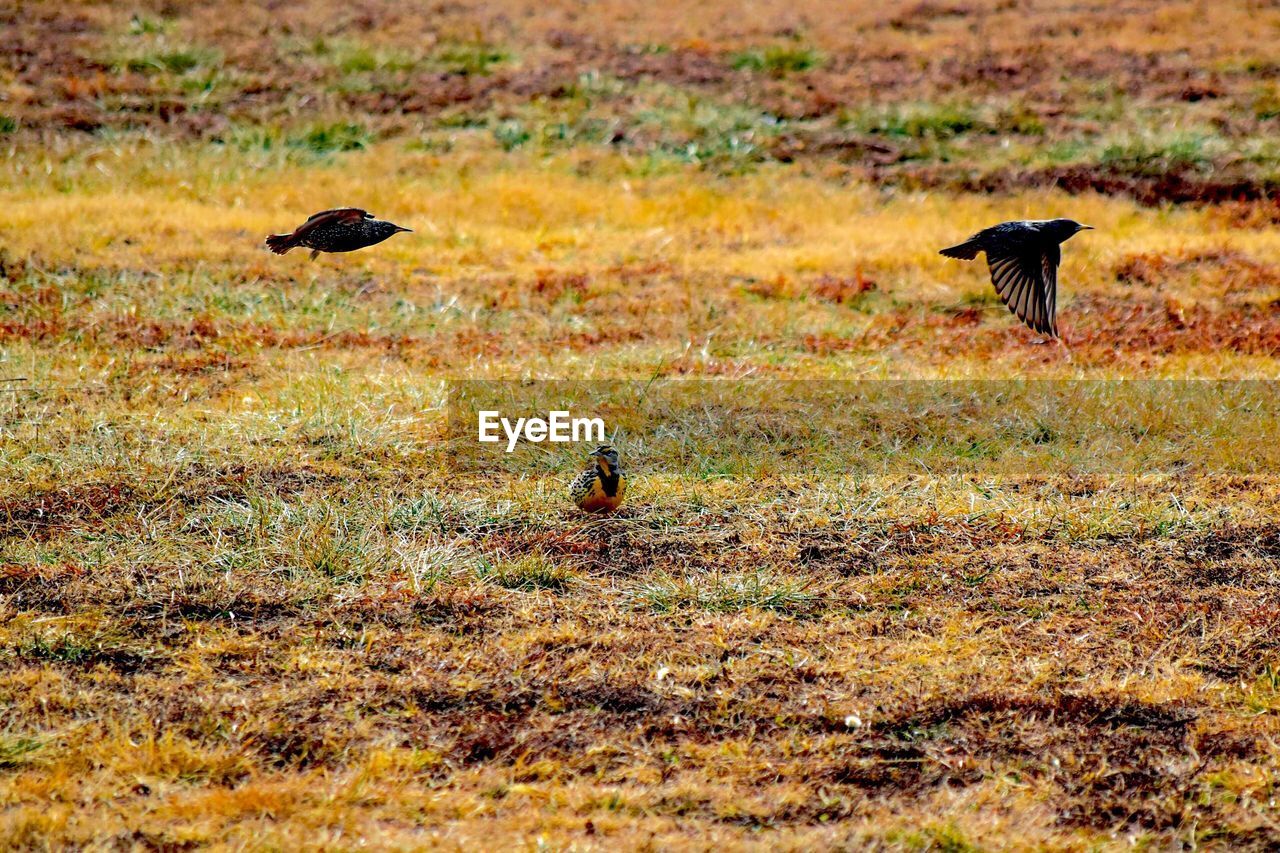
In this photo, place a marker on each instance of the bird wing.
(1049, 267)
(1027, 281)
(581, 485)
(324, 217)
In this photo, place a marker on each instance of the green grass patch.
(511, 135)
(935, 839)
(919, 121)
(145, 25)
(778, 60)
(171, 60)
(353, 57)
(67, 648)
(669, 127)
(527, 573)
(1157, 157)
(364, 59)
(727, 593)
(16, 751)
(332, 138)
(475, 58)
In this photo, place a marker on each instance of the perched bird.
(1023, 258)
(600, 487)
(343, 229)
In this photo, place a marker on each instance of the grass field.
(257, 591)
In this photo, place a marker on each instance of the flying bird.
(1023, 258)
(343, 229)
(600, 487)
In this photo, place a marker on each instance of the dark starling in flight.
(1023, 258)
(342, 229)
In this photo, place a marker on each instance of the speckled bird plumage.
(343, 229)
(601, 487)
(1023, 259)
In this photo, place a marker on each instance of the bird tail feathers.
(966, 251)
(280, 243)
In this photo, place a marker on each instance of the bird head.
(606, 457)
(385, 229)
(1064, 229)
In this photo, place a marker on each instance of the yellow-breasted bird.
(600, 487)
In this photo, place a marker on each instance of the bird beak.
(400, 228)
(1087, 228)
